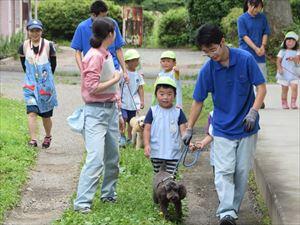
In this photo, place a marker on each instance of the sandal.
(32, 143)
(47, 142)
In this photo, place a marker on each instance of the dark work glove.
(187, 136)
(250, 119)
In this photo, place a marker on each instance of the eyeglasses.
(212, 53)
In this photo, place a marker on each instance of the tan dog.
(137, 124)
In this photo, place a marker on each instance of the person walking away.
(253, 32)
(132, 93)
(38, 59)
(99, 81)
(229, 76)
(288, 59)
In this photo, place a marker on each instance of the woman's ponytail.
(101, 27)
(95, 41)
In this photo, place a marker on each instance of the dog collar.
(165, 179)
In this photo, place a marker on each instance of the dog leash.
(129, 94)
(186, 149)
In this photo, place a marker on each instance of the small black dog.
(166, 190)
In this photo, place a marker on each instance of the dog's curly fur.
(137, 124)
(166, 190)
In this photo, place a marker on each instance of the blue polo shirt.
(232, 92)
(83, 33)
(254, 28)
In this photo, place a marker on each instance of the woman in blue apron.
(38, 60)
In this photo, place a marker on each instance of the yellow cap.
(168, 54)
(131, 54)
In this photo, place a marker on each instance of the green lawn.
(15, 157)
(134, 205)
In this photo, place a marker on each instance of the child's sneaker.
(32, 143)
(293, 104)
(122, 141)
(284, 104)
(47, 142)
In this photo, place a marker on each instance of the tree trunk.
(279, 15)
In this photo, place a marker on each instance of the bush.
(295, 5)
(60, 18)
(9, 46)
(173, 30)
(203, 11)
(148, 23)
(162, 5)
(229, 25)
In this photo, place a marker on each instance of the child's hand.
(117, 76)
(176, 72)
(192, 147)
(147, 151)
(199, 144)
(142, 105)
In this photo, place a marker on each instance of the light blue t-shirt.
(165, 136)
(232, 92)
(130, 97)
(255, 28)
(83, 34)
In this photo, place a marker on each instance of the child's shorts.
(35, 109)
(128, 114)
(287, 83)
(170, 164)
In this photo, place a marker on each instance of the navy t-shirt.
(232, 92)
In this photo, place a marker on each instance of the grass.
(15, 156)
(9, 46)
(259, 202)
(134, 205)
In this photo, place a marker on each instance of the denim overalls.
(38, 88)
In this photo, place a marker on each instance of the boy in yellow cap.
(169, 69)
(132, 93)
(164, 126)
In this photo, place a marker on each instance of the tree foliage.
(60, 18)
(173, 29)
(203, 11)
(229, 25)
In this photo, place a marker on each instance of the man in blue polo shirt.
(229, 76)
(83, 33)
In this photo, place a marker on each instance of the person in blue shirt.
(253, 32)
(228, 76)
(83, 33)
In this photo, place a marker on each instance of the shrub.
(9, 46)
(295, 5)
(162, 5)
(173, 30)
(60, 18)
(148, 24)
(203, 11)
(229, 25)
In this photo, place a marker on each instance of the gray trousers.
(101, 134)
(233, 160)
